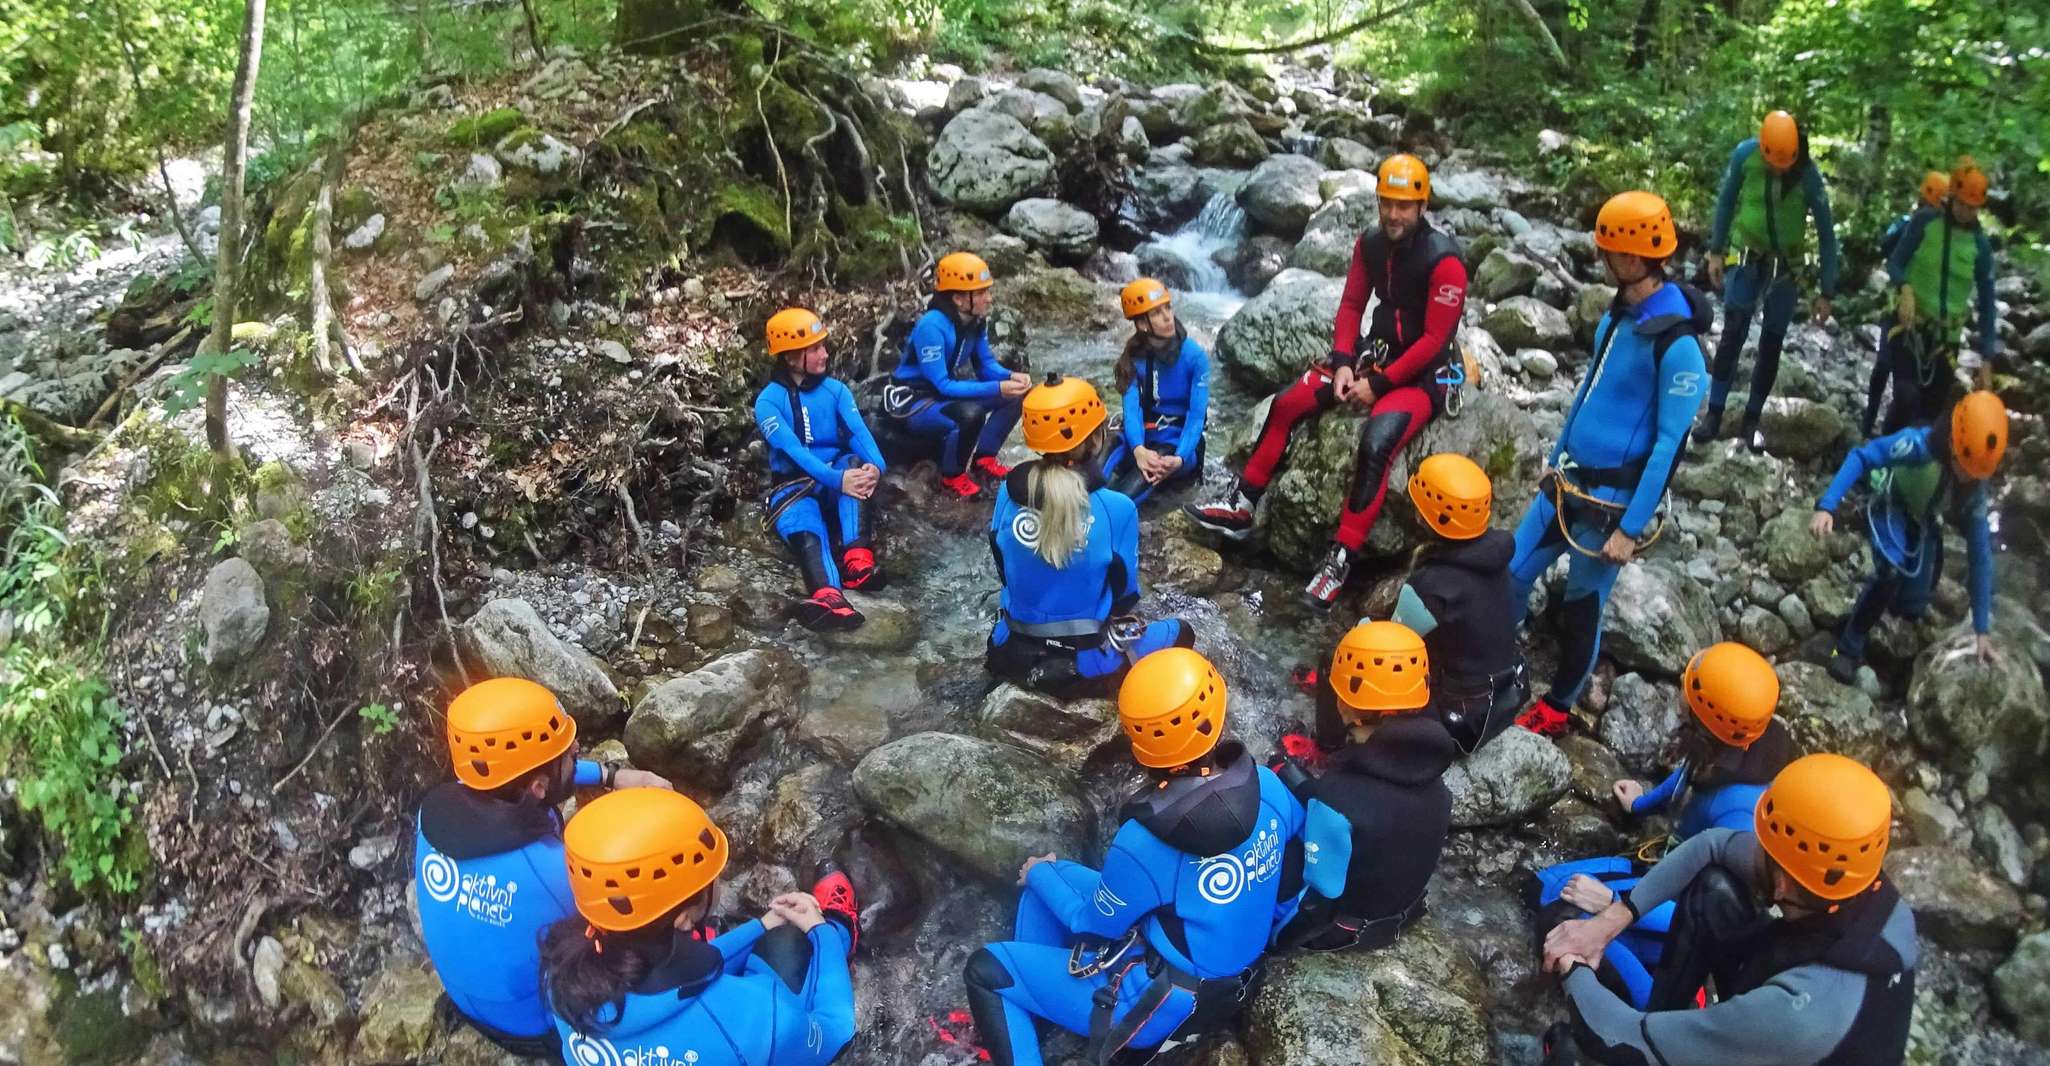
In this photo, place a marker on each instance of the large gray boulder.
(1057, 84)
(693, 728)
(987, 804)
(1066, 732)
(232, 611)
(1642, 722)
(1478, 189)
(1064, 233)
(985, 161)
(1282, 193)
(1505, 273)
(1230, 144)
(2021, 987)
(1956, 904)
(1171, 265)
(1826, 716)
(1259, 262)
(1510, 779)
(1279, 332)
(1658, 617)
(507, 638)
(1584, 315)
(1046, 117)
(1414, 1003)
(1344, 153)
(1332, 231)
(1973, 716)
(1802, 429)
(1527, 322)
(1209, 108)
(1169, 193)
(1792, 554)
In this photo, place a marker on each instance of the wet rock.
(1415, 1002)
(1066, 732)
(1929, 818)
(1282, 193)
(1054, 83)
(690, 729)
(858, 720)
(1826, 716)
(2021, 987)
(1526, 322)
(1046, 117)
(985, 161)
(1259, 262)
(1658, 618)
(1509, 779)
(1480, 189)
(1956, 904)
(1005, 254)
(1269, 341)
(1169, 193)
(1538, 364)
(1643, 722)
(1337, 183)
(710, 625)
(1998, 842)
(1974, 716)
(1174, 558)
(890, 627)
(1167, 264)
(507, 638)
(1595, 769)
(1577, 827)
(989, 805)
(233, 612)
(1341, 153)
(312, 988)
(967, 93)
(1064, 233)
(1505, 273)
(808, 816)
(1230, 144)
(1111, 265)
(400, 1022)
(1802, 429)
(1763, 630)
(1590, 303)
(1334, 228)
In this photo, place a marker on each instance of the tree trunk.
(228, 263)
(321, 308)
(1878, 146)
(1640, 35)
(1541, 31)
(533, 26)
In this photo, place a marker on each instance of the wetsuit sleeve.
(1979, 554)
(1989, 304)
(1608, 325)
(1441, 317)
(1327, 850)
(929, 346)
(589, 774)
(1681, 373)
(1904, 248)
(1726, 200)
(1134, 428)
(1198, 362)
(737, 943)
(1878, 452)
(773, 419)
(1825, 227)
(1104, 903)
(1796, 1019)
(1352, 306)
(1737, 852)
(857, 428)
(1660, 796)
(1125, 526)
(1416, 611)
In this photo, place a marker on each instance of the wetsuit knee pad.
(787, 951)
(986, 971)
(1718, 905)
(1379, 440)
(967, 414)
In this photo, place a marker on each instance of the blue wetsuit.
(815, 433)
(1203, 870)
(1165, 408)
(1905, 528)
(721, 1003)
(490, 877)
(1623, 436)
(946, 390)
(1056, 631)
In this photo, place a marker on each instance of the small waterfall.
(1185, 259)
(1222, 220)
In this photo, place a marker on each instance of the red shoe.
(1306, 678)
(827, 609)
(835, 894)
(858, 569)
(962, 485)
(992, 469)
(957, 1030)
(1543, 719)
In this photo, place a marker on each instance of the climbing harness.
(1566, 496)
(796, 488)
(1650, 851)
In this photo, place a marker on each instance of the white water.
(1220, 226)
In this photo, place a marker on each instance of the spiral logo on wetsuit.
(1221, 878)
(439, 876)
(1025, 528)
(584, 1051)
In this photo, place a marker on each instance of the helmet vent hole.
(657, 874)
(706, 838)
(1831, 877)
(633, 873)
(676, 859)
(1203, 727)
(480, 768)
(621, 904)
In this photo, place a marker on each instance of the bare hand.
(1983, 645)
(1620, 549)
(1363, 393)
(1586, 938)
(627, 777)
(1822, 309)
(1148, 462)
(1032, 861)
(1564, 964)
(1587, 893)
(1628, 793)
(1823, 524)
(860, 481)
(1341, 382)
(1715, 269)
(1022, 378)
(1012, 389)
(800, 909)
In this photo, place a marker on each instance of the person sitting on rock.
(1165, 376)
(1378, 815)
(1624, 434)
(1913, 474)
(1769, 189)
(1731, 748)
(1067, 553)
(824, 466)
(1934, 190)
(1942, 264)
(1811, 949)
(1163, 944)
(487, 854)
(948, 387)
(637, 977)
(1414, 270)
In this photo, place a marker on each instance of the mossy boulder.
(488, 128)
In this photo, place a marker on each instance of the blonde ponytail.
(1061, 496)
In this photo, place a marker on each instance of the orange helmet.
(1732, 691)
(1061, 414)
(1403, 177)
(1144, 295)
(504, 727)
(1172, 706)
(1381, 667)
(1452, 492)
(1967, 182)
(1636, 223)
(1779, 140)
(1978, 434)
(794, 329)
(635, 853)
(961, 272)
(1825, 820)
(1935, 186)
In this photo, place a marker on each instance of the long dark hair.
(1136, 345)
(583, 968)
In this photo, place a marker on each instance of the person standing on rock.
(1165, 376)
(487, 854)
(1067, 552)
(948, 387)
(1378, 814)
(1414, 270)
(1934, 191)
(1770, 189)
(1942, 263)
(1163, 944)
(636, 976)
(1916, 474)
(824, 466)
(1811, 949)
(1731, 749)
(1625, 432)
